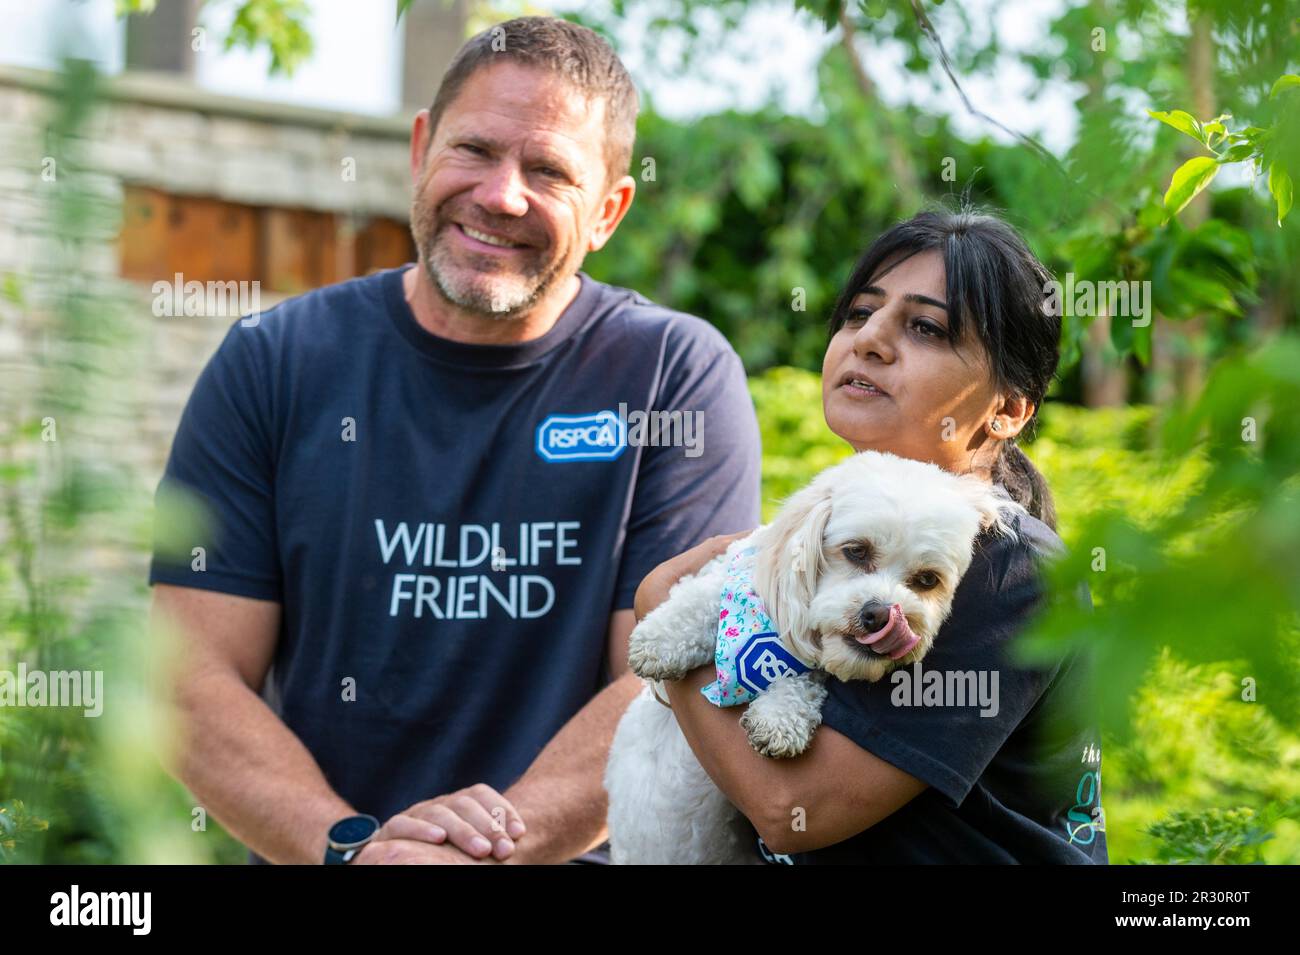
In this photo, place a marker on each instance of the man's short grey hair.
(574, 53)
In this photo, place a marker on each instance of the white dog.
(857, 573)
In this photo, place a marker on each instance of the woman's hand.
(654, 589)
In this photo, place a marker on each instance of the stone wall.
(160, 136)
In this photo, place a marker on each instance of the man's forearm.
(562, 796)
(251, 772)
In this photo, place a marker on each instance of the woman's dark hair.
(996, 286)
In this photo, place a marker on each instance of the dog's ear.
(995, 507)
(790, 560)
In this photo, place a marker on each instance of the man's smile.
(479, 240)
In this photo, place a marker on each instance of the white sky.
(357, 61)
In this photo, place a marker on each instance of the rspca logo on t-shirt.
(600, 436)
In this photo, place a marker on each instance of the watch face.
(354, 829)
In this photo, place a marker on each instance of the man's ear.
(611, 212)
(421, 133)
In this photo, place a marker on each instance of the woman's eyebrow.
(909, 297)
(925, 300)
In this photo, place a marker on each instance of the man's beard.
(501, 295)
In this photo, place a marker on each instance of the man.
(429, 511)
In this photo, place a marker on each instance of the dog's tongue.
(895, 639)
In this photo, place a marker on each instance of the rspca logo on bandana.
(600, 436)
(763, 660)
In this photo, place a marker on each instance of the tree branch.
(900, 163)
(1041, 151)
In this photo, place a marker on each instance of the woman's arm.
(833, 791)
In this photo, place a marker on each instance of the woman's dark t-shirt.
(1020, 784)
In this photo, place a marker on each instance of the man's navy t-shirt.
(449, 526)
(1013, 767)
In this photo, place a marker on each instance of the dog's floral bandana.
(749, 654)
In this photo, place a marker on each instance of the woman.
(940, 350)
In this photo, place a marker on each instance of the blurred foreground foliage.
(75, 527)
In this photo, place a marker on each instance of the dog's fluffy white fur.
(874, 529)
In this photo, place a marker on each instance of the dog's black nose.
(873, 616)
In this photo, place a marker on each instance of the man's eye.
(857, 553)
(925, 580)
(472, 149)
(550, 172)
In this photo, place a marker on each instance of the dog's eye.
(925, 580)
(857, 553)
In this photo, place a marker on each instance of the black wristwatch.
(347, 837)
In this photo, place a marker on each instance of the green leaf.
(827, 11)
(1121, 334)
(1181, 121)
(279, 25)
(1142, 342)
(11, 288)
(1189, 179)
(1287, 81)
(758, 175)
(1198, 292)
(1237, 153)
(1280, 185)
(1216, 238)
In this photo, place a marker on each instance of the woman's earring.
(997, 425)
